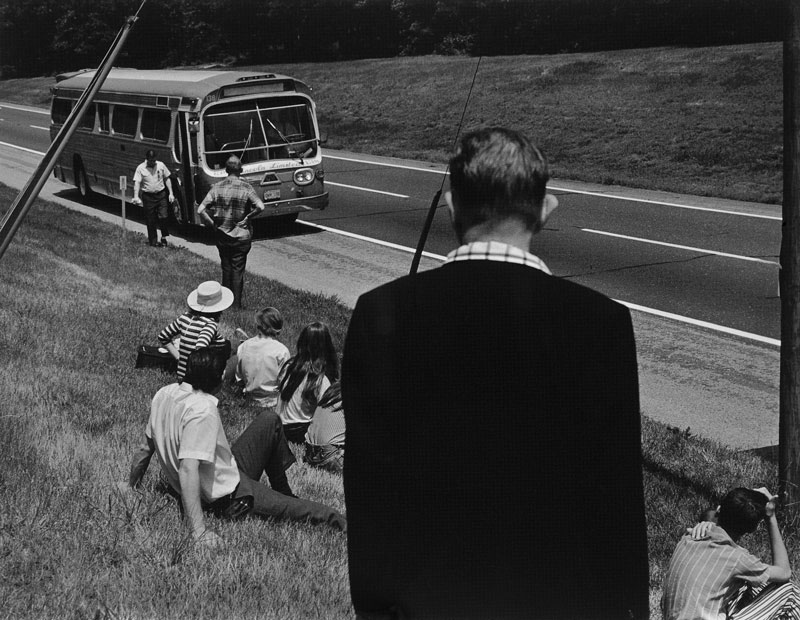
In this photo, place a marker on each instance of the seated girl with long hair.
(326, 436)
(304, 378)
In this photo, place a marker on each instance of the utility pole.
(24, 200)
(789, 428)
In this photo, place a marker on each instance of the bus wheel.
(82, 183)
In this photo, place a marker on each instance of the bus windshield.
(257, 130)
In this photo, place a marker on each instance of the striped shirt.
(705, 575)
(229, 201)
(327, 427)
(195, 331)
(496, 251)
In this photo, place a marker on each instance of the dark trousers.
(156, 213)
(262, 448)
(233, 256)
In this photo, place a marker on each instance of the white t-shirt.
(259, 362)
(151, 181)
(298, 410)
(185, 424)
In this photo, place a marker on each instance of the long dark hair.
(332, 398)
(315, 358)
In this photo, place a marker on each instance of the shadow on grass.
(679, 480)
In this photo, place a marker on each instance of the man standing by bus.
(151, 181)
(227, 208)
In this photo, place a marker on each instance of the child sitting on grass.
(259, 359)
(325, 435)
(711, 576)
(304, 379)
(199, 326)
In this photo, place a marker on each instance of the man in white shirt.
(151, 183)
(185, 431)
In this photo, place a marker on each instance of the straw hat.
(210, 296)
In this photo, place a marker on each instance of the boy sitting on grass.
(711, 576)
(185, 431)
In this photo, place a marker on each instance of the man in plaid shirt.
(227, 208)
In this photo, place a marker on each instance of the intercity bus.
(194, 120)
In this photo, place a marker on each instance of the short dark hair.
(269, 321)
(496, 174)
(204, 368)
(741, 510)
(151, 154)
(233, 165)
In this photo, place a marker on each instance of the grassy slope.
(705, 121)
(74, 545)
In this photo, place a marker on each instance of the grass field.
(701, 121)
(75, 543)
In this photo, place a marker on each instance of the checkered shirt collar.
(496, 251)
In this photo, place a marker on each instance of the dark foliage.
(40, 37)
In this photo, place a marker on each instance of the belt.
(161, 191)
(232, 507)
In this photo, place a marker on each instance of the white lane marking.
(21, 148)
(11, 106)
(380, 163)
(778, 218)
(365, 189)
(632, 306)
(575, 191)
(39, 127)
(699, 323)
(372, 240)
(682, 247)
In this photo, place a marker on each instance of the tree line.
(42, 37)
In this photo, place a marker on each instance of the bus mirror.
(323, 137)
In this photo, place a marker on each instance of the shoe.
(153, 244)
(163, 243)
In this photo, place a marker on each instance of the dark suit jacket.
(493, 464)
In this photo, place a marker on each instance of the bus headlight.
(304, 176)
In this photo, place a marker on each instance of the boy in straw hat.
(199, 326)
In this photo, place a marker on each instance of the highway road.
(700, 274)
(705, 260)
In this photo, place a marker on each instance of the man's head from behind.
(233, 165)
(204, 368)
(497, 174)
(150, 157)
(740, 511)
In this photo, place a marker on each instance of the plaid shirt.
(497, 251)
(227, 202)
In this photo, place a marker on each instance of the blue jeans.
(262, 448)
(233, 256)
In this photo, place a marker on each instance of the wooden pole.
(789, 428)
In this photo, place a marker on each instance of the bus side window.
(87, 122)
(102, 115)
(124, 120)
(61, 110)
(156, 124)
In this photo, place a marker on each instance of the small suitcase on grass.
(155, 357)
